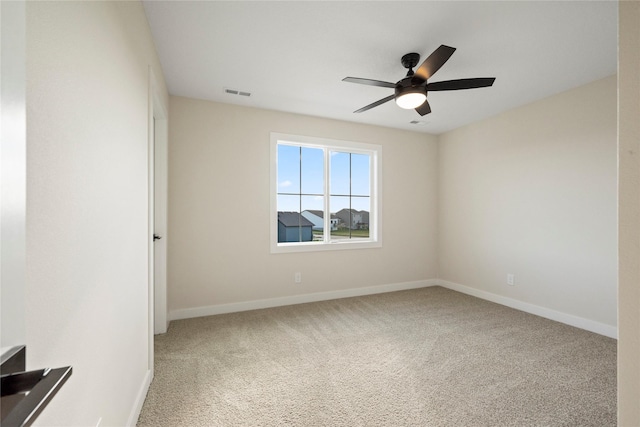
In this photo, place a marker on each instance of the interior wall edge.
(629, 213)
(140, 398)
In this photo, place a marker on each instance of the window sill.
(280, 248)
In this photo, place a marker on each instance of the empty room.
(320, 213)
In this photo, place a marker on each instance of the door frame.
(157, 214)
(160, 215)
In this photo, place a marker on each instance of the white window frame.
(375, 194)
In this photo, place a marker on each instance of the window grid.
(327, 180)
(372, 238)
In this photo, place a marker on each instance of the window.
(325, 194)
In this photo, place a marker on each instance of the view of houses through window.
(323, 194)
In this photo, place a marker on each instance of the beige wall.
(87, 214)
(629, 215)
(532, 192)
(516, 194)
(219, 209)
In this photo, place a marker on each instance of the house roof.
(319, 213)
(316, 212)
(293, 219)
(347, 210)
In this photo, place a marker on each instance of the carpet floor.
(424, 357)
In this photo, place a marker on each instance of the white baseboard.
(140, 397)
(578, 322)
(569, 319)
(187, 313)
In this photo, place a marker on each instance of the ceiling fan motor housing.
(410, 85)
(410, 60)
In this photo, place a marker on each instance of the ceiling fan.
(411, 91)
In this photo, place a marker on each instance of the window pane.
(292, 226)
(360, 175)
(288, 203)
(340, 173)
(312, 170)
(360, 215)
(361, 203)
(288, 169)
(353, 214)
(339, 206)
(313, 211)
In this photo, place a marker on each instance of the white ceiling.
(292, 56)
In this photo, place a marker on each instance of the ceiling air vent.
(418, 122)
(237, 92)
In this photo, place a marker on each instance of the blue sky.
(311, 181)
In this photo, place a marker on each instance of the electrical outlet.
(99, 422)
(511, 280)
(297, 277)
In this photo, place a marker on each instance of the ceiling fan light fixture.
(410, 100)
(411, 91)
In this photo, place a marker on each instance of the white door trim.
(157, 290)
(159, 198)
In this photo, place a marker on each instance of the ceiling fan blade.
(434, 62)
(424, 109)
(369, 82)
(461, 84)
(375, 104)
